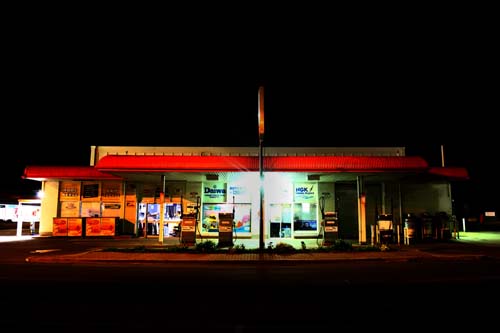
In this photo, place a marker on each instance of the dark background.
(420, 82)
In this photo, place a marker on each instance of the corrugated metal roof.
(156, 163)
(65, 172)
(345, 163)
(160, 163)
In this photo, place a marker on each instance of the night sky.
(69, 87)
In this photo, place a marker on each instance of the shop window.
(305, 217)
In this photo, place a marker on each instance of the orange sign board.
(107, 226)
(93, 226)
(74, 227)
(60, 226)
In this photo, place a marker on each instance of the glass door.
(280, 224)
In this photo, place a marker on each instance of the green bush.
(206, 246)
(240, 248)
(342, 245)
(209, 246)
(284, 248)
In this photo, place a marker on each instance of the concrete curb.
(251, 258)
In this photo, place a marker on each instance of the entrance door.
(149, 218)
(280, 224)
(347, 205)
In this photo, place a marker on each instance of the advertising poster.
(214, 192)
(69, 191)
(131, 211)
(90, 191)
(70, 209)
(93, 226)
(75, 227)
(91, 209)
(210, 218)
(111, 192)
(305, 192)
(60, 226)
(108, 226)
(242, 217)
(239, 193)
(242, 214)
(110, 209)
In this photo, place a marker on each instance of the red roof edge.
(41, 173)
(160, 163)
(455, 173)
(170, 163)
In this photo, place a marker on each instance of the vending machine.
(330, 228)
(188, 229)
(226, 223)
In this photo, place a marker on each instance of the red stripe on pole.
(261, 113)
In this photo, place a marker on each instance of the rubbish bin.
(428, 224)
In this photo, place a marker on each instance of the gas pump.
(329, 223)
(331, 228)
(197, 212)
(226, 229)
(188, 229)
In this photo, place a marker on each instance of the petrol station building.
(275, 194)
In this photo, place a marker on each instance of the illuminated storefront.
(134, 190)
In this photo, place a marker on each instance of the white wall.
(48, 207)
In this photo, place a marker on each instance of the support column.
(361, 210)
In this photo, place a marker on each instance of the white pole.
(261, 165)
(19, 231)
(442, 156)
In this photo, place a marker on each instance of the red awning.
(65, 172)
(345, 163)
(160, 163)
(450, 172)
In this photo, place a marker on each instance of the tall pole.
(261, 167)
(161, 235)
(442, 156)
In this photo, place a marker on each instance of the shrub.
(342, 245)
(206, 246)
(284, 248)
(240, 248)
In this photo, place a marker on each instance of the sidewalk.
(470, 246)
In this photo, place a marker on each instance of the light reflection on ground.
(4, 239)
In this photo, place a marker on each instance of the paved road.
(452, 288)
(470, 245)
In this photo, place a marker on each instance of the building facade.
(274, 194)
